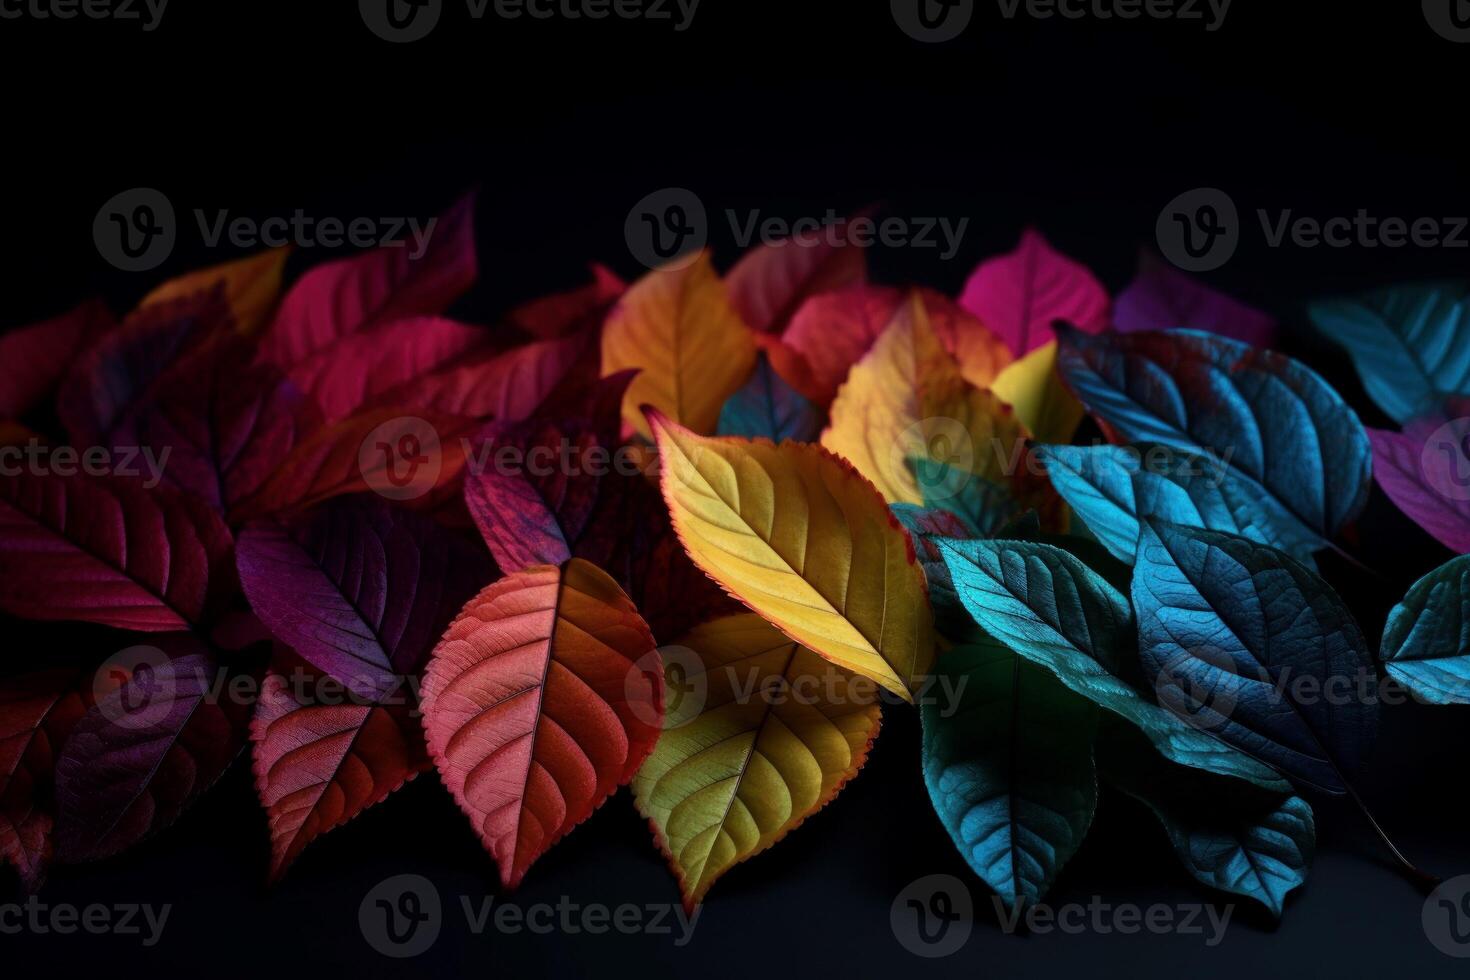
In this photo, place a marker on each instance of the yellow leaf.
(979, 352)
(692, 350)
(1034, 389)
(804, 540)
(779, 733)
(252, 286)
(905, 400)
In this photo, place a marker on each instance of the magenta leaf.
(1020, 295)
(37, 713)
(571, 312)
(33, 359)
(360, 590)
(108, 550)
(1162, 298)
(1425, 470)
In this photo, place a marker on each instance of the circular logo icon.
(933, 916)
(401, 21)
(135, 231)
(401, 458)
(1201, 686)
(939, 453)
(1199, 230)
(667, 229)
(1445, 460)
(134, 688)
(933, 21)
(1449, 18)
(401, 916)
(686, 686)
(1446, 917)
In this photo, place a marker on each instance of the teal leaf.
(769, 408)
(1229, 834)
(1009, 768)
(1256, 648)
(1410, 344)
(1426, 644)
(1273, 420)
(984, 505)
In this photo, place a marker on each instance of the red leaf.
(833, 332)
(771, 281)
(109, 551)
(538, 704)
(37, 713)
(319, 765)
(1019, 295)
(564, 313)
(34, 358)
(349, 296)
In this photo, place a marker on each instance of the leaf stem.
(1422, 880)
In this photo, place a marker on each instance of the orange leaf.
(252, 286)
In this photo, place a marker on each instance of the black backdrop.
(1085, 129)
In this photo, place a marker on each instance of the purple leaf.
(1162, 298)
(1425, 470)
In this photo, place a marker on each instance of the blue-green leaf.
(1009, 768)
(1255, 647)
(1426, 644)
(1410, 344)
(1110, 487)
(1270, 418)
(769, 408)
(1050, 608)
(985, 506)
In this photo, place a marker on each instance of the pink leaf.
(33, 359)
(1019, 295)
(771, 281)
(1163, 298)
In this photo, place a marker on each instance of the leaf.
(769, 408)
(767, 748)
(566, 313)
(677, 327)
(37, 713)
(1112, 487)
(770, 282)
(1229, 834)
(354, 295)
(361, 591)
(15, 434)
(1034, 390)
(1269, 417)
(34, 358)
(1228, 630)
(107, 550)
(145, 752)
(802, 539)
(538, 704)
(1047, 606)
(251, 287)
(1424, 472)
(1162, 297)
(225, 422)
(1426, 644)
(926, 526)
(906, 401)
(1009, 769)
(509, 386)
(1410, 344)
(318, 765)
(1019, 295)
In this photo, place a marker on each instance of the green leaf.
(1426, 644)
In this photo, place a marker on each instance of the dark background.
(1084, 129)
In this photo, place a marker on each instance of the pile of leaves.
(767, 504)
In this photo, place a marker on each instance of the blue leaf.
(1410, 344)
(1009, 768)
(1110, 487)
(1255, 647)
(1426, 644)
(1270, 418)
(1047, 606)
(769, 408)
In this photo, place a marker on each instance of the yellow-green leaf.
(1034, 389)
